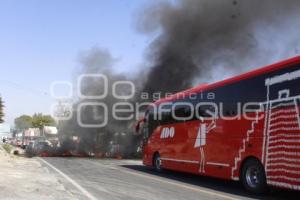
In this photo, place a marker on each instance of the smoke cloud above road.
(195, 41)
(116, 132)
(202, 40)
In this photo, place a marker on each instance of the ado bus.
(244, 128)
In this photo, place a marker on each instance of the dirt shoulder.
(26, 178)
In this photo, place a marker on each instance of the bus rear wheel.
(157, 163)
(253, 176)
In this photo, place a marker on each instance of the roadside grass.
(7, 147)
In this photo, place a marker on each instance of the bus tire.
(253, 176)
(157, 163)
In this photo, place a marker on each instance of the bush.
(7, 147)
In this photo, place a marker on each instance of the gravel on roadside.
(26, 178)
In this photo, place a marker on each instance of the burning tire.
(253, 176)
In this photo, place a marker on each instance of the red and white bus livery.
(244, 128)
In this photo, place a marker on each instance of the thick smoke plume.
(205, 40)
(117, 134)
(195, 41)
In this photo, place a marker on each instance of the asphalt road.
(108, 179)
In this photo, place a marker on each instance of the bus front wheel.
(253, 176)
(157, 163)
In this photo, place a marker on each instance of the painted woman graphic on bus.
(203, 130)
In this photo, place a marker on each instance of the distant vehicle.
(30, 149)
(30, 135)
(259, 145)
(38, 147)
(17, 142)
(8, 140)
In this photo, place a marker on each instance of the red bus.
(244, 128)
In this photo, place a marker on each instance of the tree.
(1, 110)
(23, 122)
(39, 121)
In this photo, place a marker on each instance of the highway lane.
(88, 178)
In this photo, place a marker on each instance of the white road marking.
(181, 185)
(211, 193)
(74, 183)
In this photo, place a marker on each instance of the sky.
(40, 42)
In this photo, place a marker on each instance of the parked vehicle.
(38, 147)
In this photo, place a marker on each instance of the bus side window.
(207, 111)
(230, 113)
(166, 115)
(183, 112)
(153, 121)
(180, 112)
(230, 108)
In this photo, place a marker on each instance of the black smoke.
(203, 40)
(117, 133)
(195, 41)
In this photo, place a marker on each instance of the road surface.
(88, 178)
